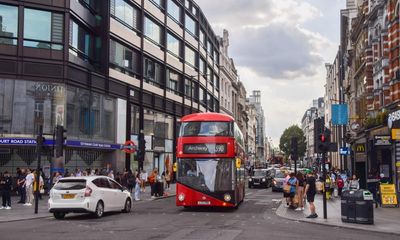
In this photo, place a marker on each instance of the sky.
(279, 47)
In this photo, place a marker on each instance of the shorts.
(310, 198)
(292, 194)
(286, 194)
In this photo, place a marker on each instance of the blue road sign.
(344, 151)
(339, 114)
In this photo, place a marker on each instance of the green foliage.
(285, 141)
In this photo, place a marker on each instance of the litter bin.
(357, 207)
(364, 207)
(348, 207)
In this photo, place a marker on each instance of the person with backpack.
(340, 185)
(130, 180)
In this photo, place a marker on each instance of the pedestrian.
(152, 181)
(286, 188)
(29, 187)
(354, 183)
(293, 185)
(131, 180)
(168, 178)
(57, 176)
(300, 191)
(5, 188)
(310, 192)
(111, 174)
(21, 186)
(144, 177)
(340, 185)
(137, 187)
(328, 187)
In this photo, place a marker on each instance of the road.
(161, 219)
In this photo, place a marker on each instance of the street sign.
(344, 151)
(129, 147)
(339, 114)
(388, 195)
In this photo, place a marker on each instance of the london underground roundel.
(129, 147)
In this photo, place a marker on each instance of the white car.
(93, 194)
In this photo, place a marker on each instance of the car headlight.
(181, 197)
(274, 182)
(227, 197)
(250, 179)
(263, 179)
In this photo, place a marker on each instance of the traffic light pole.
(323, 160)
(39, 146)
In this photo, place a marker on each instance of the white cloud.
(280, 48)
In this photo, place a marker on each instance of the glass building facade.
(129, 77)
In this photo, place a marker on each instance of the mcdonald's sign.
(359, 147)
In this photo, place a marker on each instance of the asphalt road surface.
(161, 219)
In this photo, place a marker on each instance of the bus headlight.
(227, 197)
(263, 179)
(181, 197)
(250, 179)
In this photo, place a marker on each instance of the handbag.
(41, 191)
(286, 188)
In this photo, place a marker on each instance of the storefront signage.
(344, 151)
(21, 141)
(93, 145)
(395, 134)
(388, 195)
(393, 117)
(359, 148)
(382, 141)
(210, 148)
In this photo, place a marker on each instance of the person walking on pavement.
(21, 186)
(310, 192)
(137, 187)
(29, 187)
(354, 183)
(300, 191)
(144, 177)
(340, 185)
(152, 181)
(293, 185)
(5, 188)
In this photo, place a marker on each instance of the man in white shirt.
(29, 179)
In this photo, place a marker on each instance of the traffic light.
(60, 139)
(319, 126)
(324, 141)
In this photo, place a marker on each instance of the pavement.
(20, 212)
(386, 220)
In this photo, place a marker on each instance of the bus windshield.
(207, 175)
(209, 129)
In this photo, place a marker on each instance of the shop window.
(8, 24)
(43, 29)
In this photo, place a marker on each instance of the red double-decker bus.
(210, 169)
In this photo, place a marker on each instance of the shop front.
(89, 118)
(394, 127)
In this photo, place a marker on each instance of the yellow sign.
(238, 162)
(360, 147)
(174, 167)
(396, 134)
(398, 164)
(388, 195)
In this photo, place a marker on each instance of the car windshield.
(205, 129)
(259, 173)
(70, 184)
(279, 175)
(208, 175)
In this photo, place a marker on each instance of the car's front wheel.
(99, 209)
(59, 215)
(128, 206)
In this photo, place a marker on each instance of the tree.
(285, 141)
